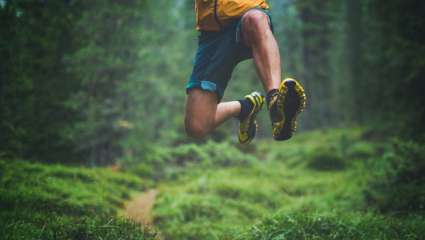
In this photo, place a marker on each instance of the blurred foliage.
(397, 185)
(167, 163)
(326, 159)
(98, 81)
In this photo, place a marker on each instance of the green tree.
(35, 83)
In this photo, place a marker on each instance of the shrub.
(398, 181)
(224, 154)
(186, 154)
(361, 150)
(326, 158)
(169, 162)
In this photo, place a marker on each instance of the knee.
(196, 129)
(255, 21)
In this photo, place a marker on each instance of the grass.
(327, 184)
(331, 226)
(60, 202)
(316, 182)
(223, 202)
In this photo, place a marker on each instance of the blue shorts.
(217, 55)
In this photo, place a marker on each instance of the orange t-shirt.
(213, 14)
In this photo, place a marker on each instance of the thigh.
(201, 107)
(246, 21)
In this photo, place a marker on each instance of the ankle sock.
(270, 94)
(246, 108)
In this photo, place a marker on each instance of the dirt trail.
(139, 209)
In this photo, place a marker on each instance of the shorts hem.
(206, 86)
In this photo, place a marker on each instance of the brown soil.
(139, 209)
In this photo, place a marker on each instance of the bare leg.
(258, 35)
(225, 111)
(203, 114)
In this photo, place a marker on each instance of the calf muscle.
(201, 107)
(203, 114)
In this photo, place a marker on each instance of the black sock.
(246, 108)
(270, 94)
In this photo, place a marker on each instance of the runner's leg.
(225, 111)
(284, 100)
(258, 35)
(203, 114)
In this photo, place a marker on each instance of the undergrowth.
(168, 163)
(41, 201)
(325, 184)
(317, 183)
(290, 226)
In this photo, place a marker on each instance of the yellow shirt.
(213, 14)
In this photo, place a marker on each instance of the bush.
(361, 150)
(225, 155)
(399, 180)
(212, 153)
(326, 158)
(169, 162)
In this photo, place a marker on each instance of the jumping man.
(232, 31)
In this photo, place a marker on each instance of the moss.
(41, 201)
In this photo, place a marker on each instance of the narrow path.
(139, 209)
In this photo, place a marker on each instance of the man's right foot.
(248, 126)
(284, 107)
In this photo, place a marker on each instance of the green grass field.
(320, 185)
(40, 201)
(312, 187)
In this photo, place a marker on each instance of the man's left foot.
(248, 125)
(284, 105)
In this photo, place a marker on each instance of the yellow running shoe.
(284, 106)
(248, 126)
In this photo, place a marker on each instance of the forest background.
(101, 83)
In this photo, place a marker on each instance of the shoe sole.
(253, 124)
(292, 102)
(249, 140)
